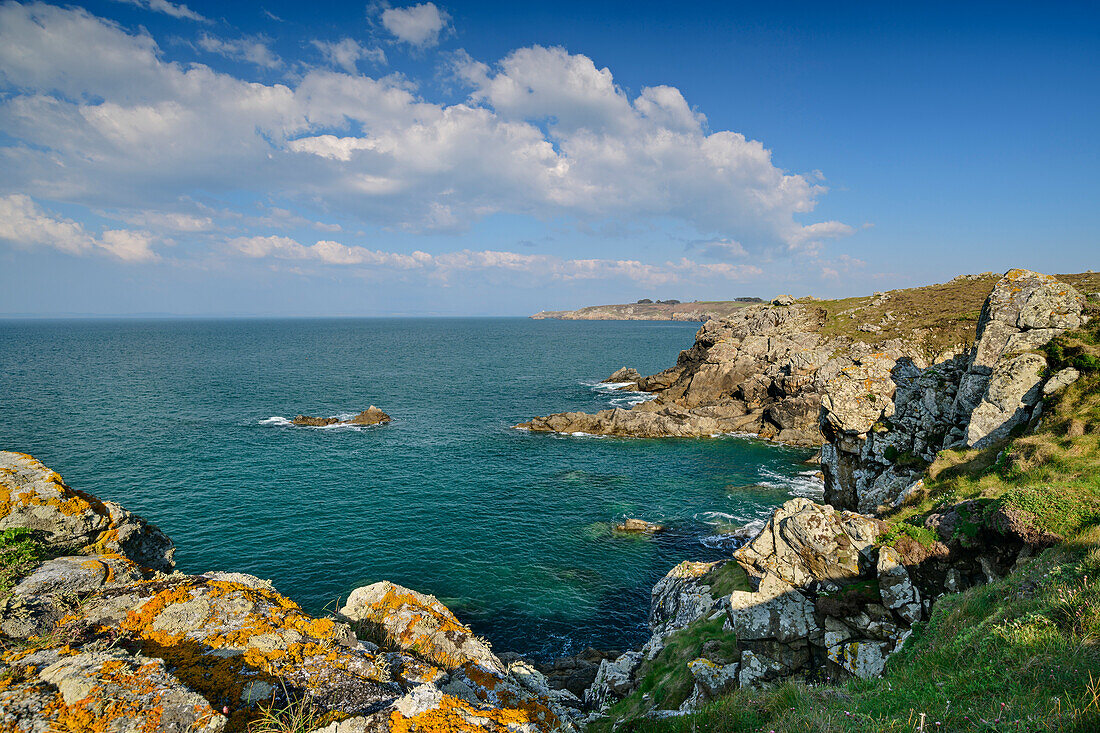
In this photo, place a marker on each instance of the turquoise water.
(184, 423)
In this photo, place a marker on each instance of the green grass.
(20, 552)
(726, 578)
(1019, 654)
(665, 680)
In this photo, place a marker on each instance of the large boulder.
(613, 681)
(896, 588)
(776, 610)
(419, 624)
(1002, 383)
(35, 497)
(804, 542)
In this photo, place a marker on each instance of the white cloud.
(418, 25)
(254, 50)
(176, 10)
(450, 263)
(720, 249)
(346, 52)
(168, 221)
(26, 225)
(101, 120)
(128, 246)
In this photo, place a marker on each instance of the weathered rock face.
(409, 620)
(35, 497)
(107, 642)
(681, 597)
(884, 422)
(805, 542)
(370, 416)
(761, 370)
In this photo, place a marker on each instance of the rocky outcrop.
(370, 416)
(681, 597)
(761, 370)
(35, 497)
(885, 420)
(625, 375)
(408, 620)
(832, 596)
(107, 640)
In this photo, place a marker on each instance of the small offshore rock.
(370, 416)
(639, 525)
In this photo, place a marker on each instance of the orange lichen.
(103, 707)
(263, 636)
(458, 716)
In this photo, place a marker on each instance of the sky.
(499, 158)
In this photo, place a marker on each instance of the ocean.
(186, 423)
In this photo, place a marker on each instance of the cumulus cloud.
(449, 263)
(417, 25)
(26, 225)
(347, 52)
(100, 119)
(176, 10)
(254, 50)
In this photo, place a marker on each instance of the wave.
(739, 529)
(629, 399)
(283, 422)
(621, 398)
(804, 483)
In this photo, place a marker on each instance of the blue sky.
(500, 158)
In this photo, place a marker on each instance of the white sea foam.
(804, 483)
(629, 399)
(282, 422)
(621, 398)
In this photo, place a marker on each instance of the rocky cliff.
(885, 418)
(832, 594)
(697, 311)
(767, 369)
(99, 633)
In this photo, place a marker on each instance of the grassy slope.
(1019, 654)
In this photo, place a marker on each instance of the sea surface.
(186, 423)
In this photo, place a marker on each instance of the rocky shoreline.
(104, 634)
(100, 631)
(830, 594)
(768, 369)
